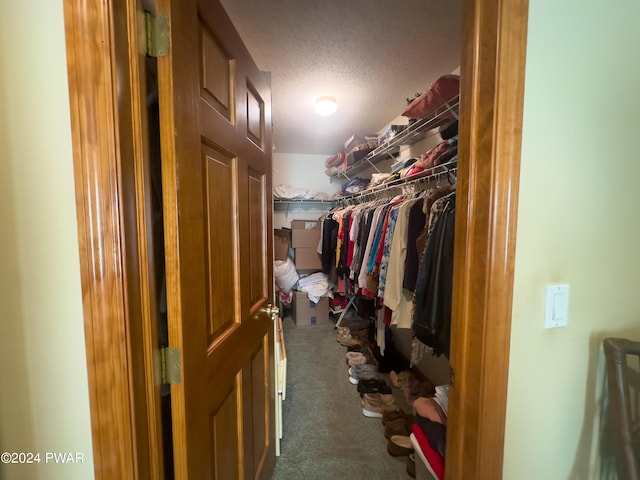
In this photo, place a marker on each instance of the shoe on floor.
(403, 378)
(396, 427)
(399, 445)
(411, 465)
(362, 372)
(346, 339)
(391, 416)
(355, 358)
(418, 389)
(374, 405)
(374, 385)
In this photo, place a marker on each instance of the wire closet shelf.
(432, 178)
(411, 134)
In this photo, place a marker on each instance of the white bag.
(286, 274)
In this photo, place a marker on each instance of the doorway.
(493, 77)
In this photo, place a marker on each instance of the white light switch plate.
(557, 306)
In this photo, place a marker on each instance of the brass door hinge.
(167, 366)
(153, 34)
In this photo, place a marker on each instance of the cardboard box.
(305, 312)
(308, 259)
(305, 233)
(281, 243)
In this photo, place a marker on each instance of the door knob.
(271, 310)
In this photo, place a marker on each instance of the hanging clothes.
(433, 295)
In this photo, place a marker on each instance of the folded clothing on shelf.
(449, 131)
(355, 185)
(378, 178)
(404, 164)
(391, 132)
(286, 192)
(334, 171)
(360, 151)
(336, 160)
(358, 139)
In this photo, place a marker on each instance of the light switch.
(557, 306)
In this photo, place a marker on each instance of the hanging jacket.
(432, 313)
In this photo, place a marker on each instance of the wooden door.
(215, 121)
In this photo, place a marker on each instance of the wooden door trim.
(494, 37)
(492, 72)
(108, 155)
(95, 159)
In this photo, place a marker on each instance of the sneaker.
(374, 404)
(365, 371)
(374, 385)
(371, 408)
(362, 372)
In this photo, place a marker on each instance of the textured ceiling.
(368, 54)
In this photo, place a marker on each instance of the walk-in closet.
(364, 205)
(304, 195)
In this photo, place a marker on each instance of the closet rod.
(447, 170)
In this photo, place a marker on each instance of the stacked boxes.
(281, 243)
(305, 236)
(305, 239)
(305, 312)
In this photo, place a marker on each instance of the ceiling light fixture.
(325, 106)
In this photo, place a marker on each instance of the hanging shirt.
(396, 298)
(384, 262)
(415, 225)
(362, 276)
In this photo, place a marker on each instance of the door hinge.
(153, 34)
(167, 366)
(452, 376)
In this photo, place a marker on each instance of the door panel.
(217, 73)
(220, 184)
(255, 116)
(225, 438)
(216, 141)
(258, 290)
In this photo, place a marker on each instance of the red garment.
(387, 315)
(436, 461)
(414, 171)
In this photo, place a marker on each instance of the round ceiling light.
(325, 106)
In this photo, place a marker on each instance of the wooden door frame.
(494, 34)
(494, 43)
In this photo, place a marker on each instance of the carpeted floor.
(325, 435)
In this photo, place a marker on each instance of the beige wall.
(579, 224)
(300, 171)
(44, 403)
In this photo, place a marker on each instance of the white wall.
(300, 171)
(44, 402)
(578, 223)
